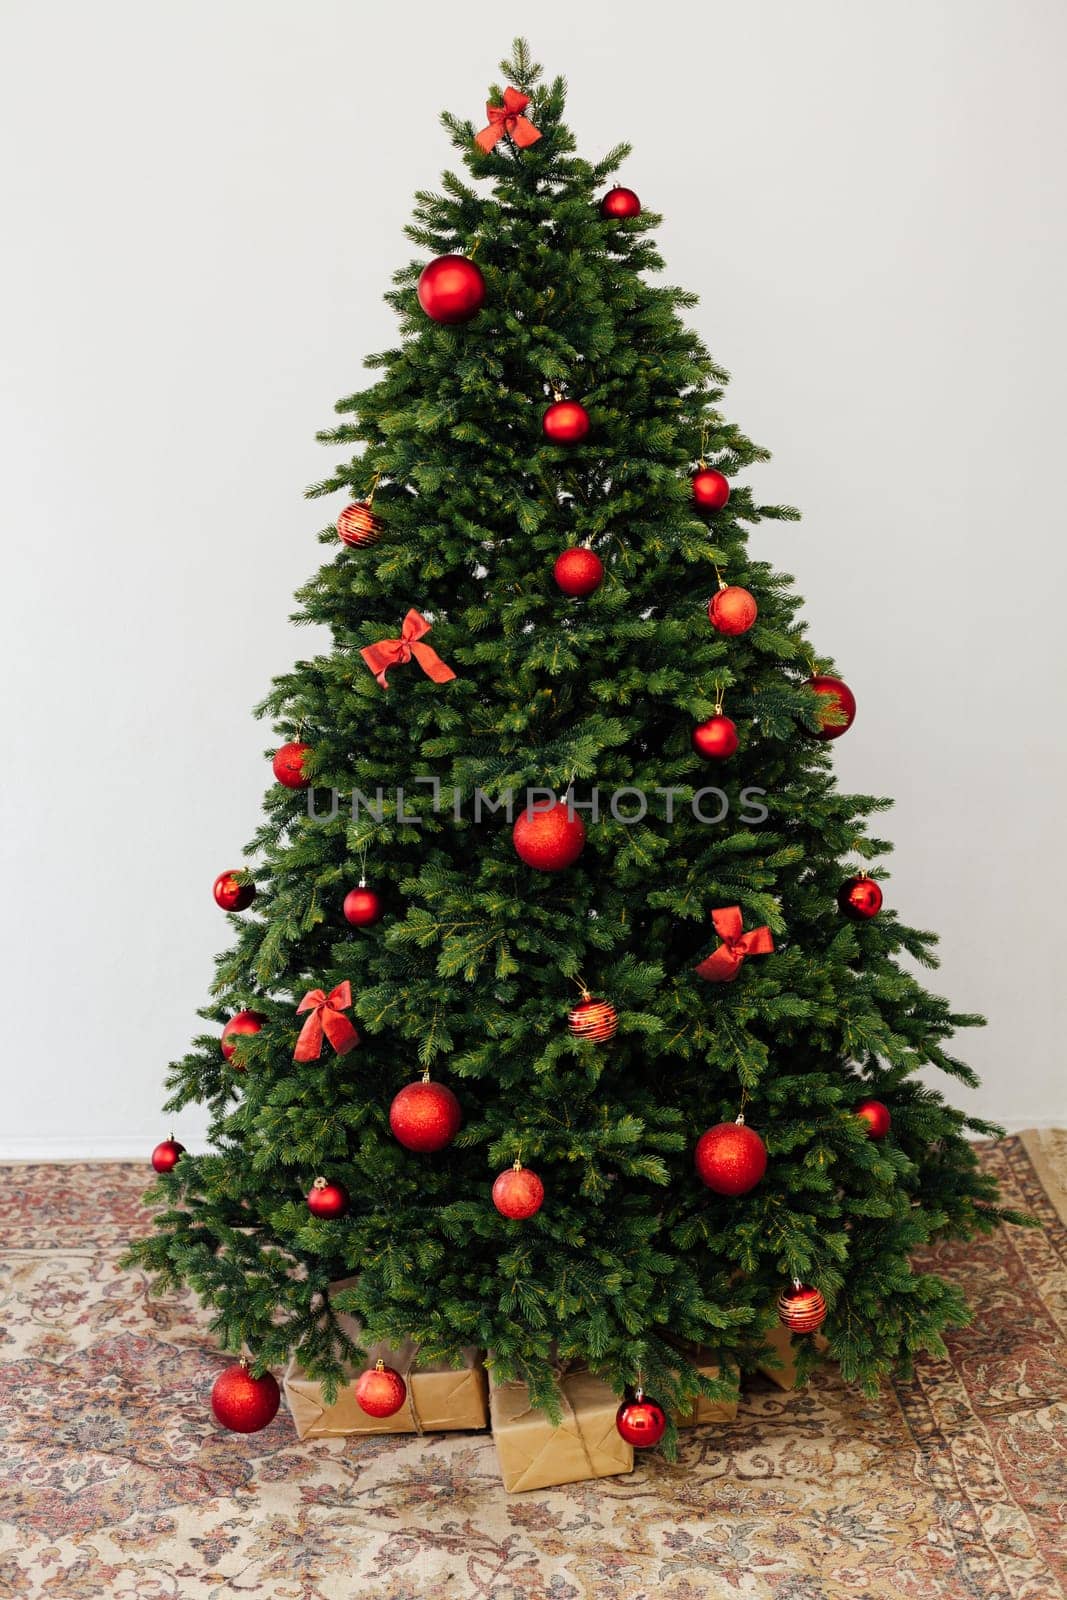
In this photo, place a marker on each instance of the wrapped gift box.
(535, 1455)
(783, 1343)
(704, 1410)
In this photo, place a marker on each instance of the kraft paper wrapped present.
(535, 1455)
(704, 1410)
(783, 1344)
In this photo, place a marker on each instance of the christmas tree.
(563, 1013)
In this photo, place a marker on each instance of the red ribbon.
(508, 119)
(723, 965)
(388, 652)
(325, 1019)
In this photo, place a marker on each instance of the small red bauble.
(837, 707)
(363, 907)
(242, 1022)
(876, 1116)
(595, 1020)
(357, 525)
(165, 1155)
(641, 1422)
(327, 1199)
(732, 610)
(231, 895)
(451, 289)
(715, 739)
(578, 572)
(425, 1116)
(801, 1308)
(565, 422)
(710, 489)
(549, 839)
(242, 1403)
(518, 1193)
(380, 1391)
(860, 898)
(620, 203)
(730, 1158)
(288, 765)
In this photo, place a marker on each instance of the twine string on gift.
(561, 1370)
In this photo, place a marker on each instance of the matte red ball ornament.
(165, 1156)
(802, 1309)
(579, 572)
(641, 1422)
(288, 765)
(451, 289)
(363, 907)
(715, 739)
(620, 203)
(231, 895)
(242, 1403)
(876, 1116)
(518, 1193)
(425, 1116)
(549, 839)
(860, 898)
(565, 422)
(358, 526)
(836, 710)
(711, 490)
(380, 1391)
(594, 1020)
(730, 1158)
(326, 1199)
(732, 610)
(239, 1025)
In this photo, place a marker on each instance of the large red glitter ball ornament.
(327, 1199)
(550, 839)
(801, 1308)
(518, 1193)
(730, 1158)
(876, 1116)
(165, 1155)
(595, 1020)
(357, 525)
(565, 422)
(451, 289)
(732, 610)
(363, 907)
(425, 1116)
(288, 765)
(710, 489)
(242, 1403)
(715, 739)
(242, 1022)
(860, 898)
(620, 203)
(231, 895)
(380, 1391)
(837, 707)
(578, 572)
(642, 1422)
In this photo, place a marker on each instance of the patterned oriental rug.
(115, 1482)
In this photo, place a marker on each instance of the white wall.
(201, 206)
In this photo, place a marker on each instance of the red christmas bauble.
(425, 1116)
(876, 1116)
(641, 1421)
(288, 765)
(363, 907)
(730, 1158)
(327, 1199)
(565, 422)
(380, 1391)
(837, 707)
(860, 898)
(732, 610)
(451, 289)
(549, 839)
(620, 203)
(242, 1403)
(578, 572)
(358, 526)
(242, 1022)
(715, 739)
(801, 1308)
(231, 895)
(518, 1193)
(595, 1020)
(711, 490)
(165, 1155)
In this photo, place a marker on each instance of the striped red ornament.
(358, 525)
(802, 1309)
(595, 1020)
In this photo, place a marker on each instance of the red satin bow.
(508, 119)
(388, 652)
(723, 964)
(325, 1019)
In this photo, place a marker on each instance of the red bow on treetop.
(508, 119)
(388, 652)
(723, 965)
(325, 1019)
